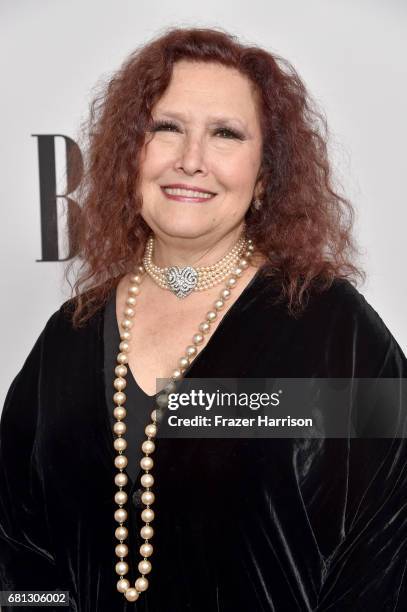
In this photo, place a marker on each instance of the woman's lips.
(185, 198)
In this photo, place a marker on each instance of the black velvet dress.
(249, 525)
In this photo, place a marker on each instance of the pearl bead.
(146, 550)
(225, 294)
(154, 415)
(126, 324)
(231, 282)
(121, 550)
(147, 497)
(184, 362)
(120, 371)
(191, 350)
(135, 279)
(162, 400)
(147, 515)
(144, 567)
(211, 316)
(151, 430)
(146, 532)
(129, 312)
(176, 374)
(119, 398)
(123, 585)
(122, 358)
(124, 346)
(121, 533)
(119, 384)
(219, 304)
(120, 461)
(148, 446)
(134, 290)
(122, 567)
(141, 584)
(140, 269)
(119, 428)
(120, 444)
(119, 412)
(120, 497)
(121, 479)
(147, 480)
(197, 339)
(120, 515)
(131, 301)
(131, 594)
(146, 463)
(243, 263)
(204, 327)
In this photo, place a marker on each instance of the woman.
(207, 190)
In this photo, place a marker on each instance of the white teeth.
(187, 193)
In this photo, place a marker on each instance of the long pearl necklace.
(132, 593)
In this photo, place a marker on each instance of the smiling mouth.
(186, 195)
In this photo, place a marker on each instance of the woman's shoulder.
(339, 326)
(60, 343)
(340, 295)
(355, 329)
(61, 347)
(61, 321)
(347, 307)
(340, 300)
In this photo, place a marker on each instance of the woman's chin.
(182, 228)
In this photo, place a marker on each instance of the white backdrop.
(350, 54)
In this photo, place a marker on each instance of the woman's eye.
(229, 133)
(168, 126)
(163, 125)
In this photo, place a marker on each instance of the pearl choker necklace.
(132, 593)
(181, 281)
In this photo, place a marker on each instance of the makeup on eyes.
(167, 125)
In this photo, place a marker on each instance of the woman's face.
(206, 135)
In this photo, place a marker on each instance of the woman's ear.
(257, 200)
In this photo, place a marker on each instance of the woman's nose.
(192, 156)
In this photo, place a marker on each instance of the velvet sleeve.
(26, 559)
(368, 569)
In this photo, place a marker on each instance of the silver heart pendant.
(181, 281)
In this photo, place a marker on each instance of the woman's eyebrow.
(211, 118)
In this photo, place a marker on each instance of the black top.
(241, 524)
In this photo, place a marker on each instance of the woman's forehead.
(219, 92)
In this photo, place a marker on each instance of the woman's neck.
(202, 251)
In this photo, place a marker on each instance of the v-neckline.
(226, 317)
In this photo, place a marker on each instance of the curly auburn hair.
(303, 228)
